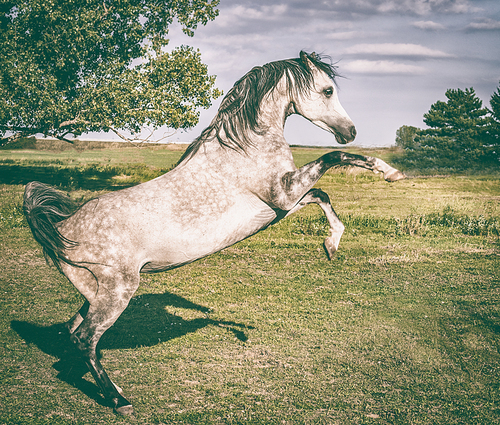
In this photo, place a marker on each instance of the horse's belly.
(181, 243)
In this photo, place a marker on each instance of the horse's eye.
(328, 92)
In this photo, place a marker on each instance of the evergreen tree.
(495, 104)
(494, 131)
(458, 133)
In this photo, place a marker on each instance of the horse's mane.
(239, 110)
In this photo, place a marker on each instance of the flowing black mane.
(239, 111)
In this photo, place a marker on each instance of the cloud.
(299, 12)
(381, 67)
(484, 25)
(425, 7)
(428, 25)
(253, 16)
(395, 49)
(411, 7)
(346, 35)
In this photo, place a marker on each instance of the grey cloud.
(428, 25)
(358, 8)
(271, 16)
(485, 24)
(396, 49)
(425, 7)
(382, 67)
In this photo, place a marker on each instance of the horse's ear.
(304, 57)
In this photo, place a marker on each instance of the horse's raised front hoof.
(394, 175)
(127, 410)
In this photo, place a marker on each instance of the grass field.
(402, 327)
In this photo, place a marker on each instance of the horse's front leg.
(293, 185)
(292, 190)
(371, 163)
(317, 196)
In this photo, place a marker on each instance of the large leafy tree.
(458, 131)
(71, 66)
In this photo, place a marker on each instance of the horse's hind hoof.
(330, 248)
(394, 175)
(127, 410)
(331, 243)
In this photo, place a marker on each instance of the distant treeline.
(81, 145)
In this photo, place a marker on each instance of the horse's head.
(321, 105)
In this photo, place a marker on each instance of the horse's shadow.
(145, 322)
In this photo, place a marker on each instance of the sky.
(397, 58)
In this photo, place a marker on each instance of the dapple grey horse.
(235, 180)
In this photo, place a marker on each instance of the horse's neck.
(267, 152)
(275, 108)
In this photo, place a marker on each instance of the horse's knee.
(318, 196)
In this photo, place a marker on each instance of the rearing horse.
(235, 180)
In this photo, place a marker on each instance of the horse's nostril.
(353, 132)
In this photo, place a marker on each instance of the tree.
(458, 130)
(495, 104)
(405, 136)
(494, 131)
(72, 66)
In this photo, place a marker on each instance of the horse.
(236, 179)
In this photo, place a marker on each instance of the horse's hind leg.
(73, 323)
(317, 196)
(102, 314)
(86, 338)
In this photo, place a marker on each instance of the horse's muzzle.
(346, 137)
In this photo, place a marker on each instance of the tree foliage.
(71, 66)
(462, 133)
(495, 125)
(405, 136)
(458, 128)
(495, 104)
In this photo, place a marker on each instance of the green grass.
(402, 327)
(95, 169)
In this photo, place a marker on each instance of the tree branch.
(74, 121)
(18, 133)
(138, 141)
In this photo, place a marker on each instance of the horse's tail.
(44, 207)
